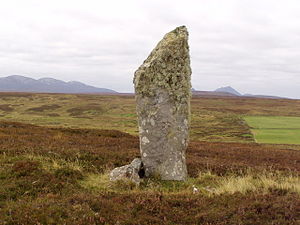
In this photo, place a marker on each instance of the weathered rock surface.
(133, 172)
(163, 90)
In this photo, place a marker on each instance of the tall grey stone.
(163, 89)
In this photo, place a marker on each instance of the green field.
(275, 129)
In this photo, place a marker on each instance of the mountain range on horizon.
(17, 83)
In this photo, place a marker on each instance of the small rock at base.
(131, 172)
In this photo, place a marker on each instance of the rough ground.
(58, 175)
(43, 180)
(213, 118)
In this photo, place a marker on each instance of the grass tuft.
(258, 183)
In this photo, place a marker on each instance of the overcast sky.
(251, 45)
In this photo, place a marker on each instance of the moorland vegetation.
(56, 152)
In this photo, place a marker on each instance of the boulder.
(133, 172)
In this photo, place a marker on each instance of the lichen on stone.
(167, 68)
(163, 90)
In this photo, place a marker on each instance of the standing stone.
(163, 90)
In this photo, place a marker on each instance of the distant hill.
(228, 89)
(229, 92)
(17, 83)
(263, 96)
(212, 93)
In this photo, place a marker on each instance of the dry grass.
(53, 163)
(207, 183)
(262, 183)
(96, 182)
(60, 175)
(213, 119)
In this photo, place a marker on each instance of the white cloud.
(250, 45)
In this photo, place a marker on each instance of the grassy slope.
(59, 176)
(114, 112)
(213, 119)
(274, 129)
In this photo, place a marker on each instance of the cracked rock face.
(162, 86)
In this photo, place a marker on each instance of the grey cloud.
(245, 44)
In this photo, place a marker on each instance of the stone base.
(133, 171)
